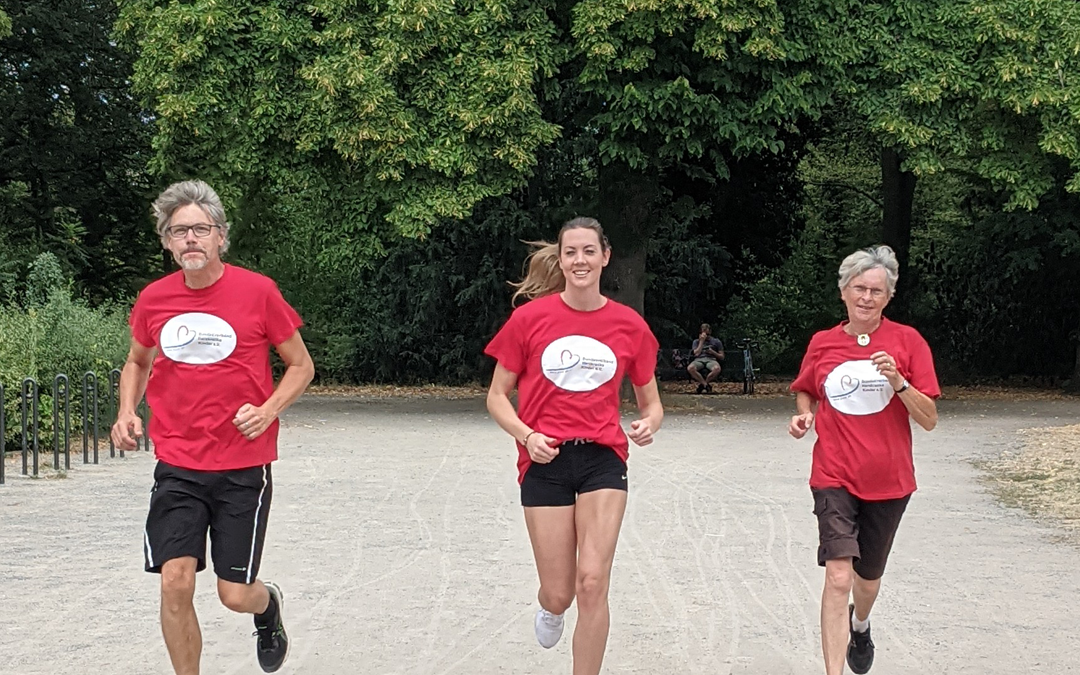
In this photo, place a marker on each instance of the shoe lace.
(862, 640)
(551, 619)
(268, 637)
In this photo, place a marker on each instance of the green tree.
(73, 145)
(988, 87)
(356, 119)
(348, 122)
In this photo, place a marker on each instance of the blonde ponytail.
(543, 275)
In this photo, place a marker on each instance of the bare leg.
(554, 541)
(695, 375)
(839, 577)
(250, 598)
(864, 592)
(599, 518)
(179, 624)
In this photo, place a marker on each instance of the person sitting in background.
(707, 352)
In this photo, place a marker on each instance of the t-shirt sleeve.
(693, 345)
(140, 327)
(719, 346)
(643, 366)
(282, 321)
(923, 376)
(805, 380)
(508, 346)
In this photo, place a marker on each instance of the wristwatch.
(903, 387)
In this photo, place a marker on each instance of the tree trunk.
(624, 278)
(627, 213)
(898, 187)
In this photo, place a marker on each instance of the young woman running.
(567, 350)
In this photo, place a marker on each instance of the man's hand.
(127, 431)
(800, 424)
(252, 421)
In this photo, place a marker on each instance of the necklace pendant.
(863, 339)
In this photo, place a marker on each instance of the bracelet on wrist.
(525, 441)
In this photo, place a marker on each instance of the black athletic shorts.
(232, 505)
(849, 527)
(580, 466)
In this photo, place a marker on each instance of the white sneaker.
(548, 628)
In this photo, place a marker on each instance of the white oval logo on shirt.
(197, 338)
(857, 388)
(578, 363)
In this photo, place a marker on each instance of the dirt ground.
(396, 534)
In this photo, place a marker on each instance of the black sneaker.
(700, 388)
(860, 648)
(708, 389)
(273, 644)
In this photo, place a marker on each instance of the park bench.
(737, 366)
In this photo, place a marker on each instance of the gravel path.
(398, 540)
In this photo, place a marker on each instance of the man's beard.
(192, 264)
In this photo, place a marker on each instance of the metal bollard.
(60, 391)
(89, 395)
(29, 422)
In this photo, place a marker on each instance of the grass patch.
(1042, 477)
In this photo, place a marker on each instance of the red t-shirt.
(570, 365)
(863, 428)
(213, 357)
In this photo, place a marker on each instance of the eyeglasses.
(875, 293)
(180, 231)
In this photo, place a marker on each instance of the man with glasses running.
(200, 351)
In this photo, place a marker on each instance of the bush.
(54, 333)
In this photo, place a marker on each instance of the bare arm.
(921, 407)
(652, 413)
(542, 448)
(253, 420)
(805, 405)
(500, 407)
(128, 426)
(696, 351)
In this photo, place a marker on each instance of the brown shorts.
(850, 527)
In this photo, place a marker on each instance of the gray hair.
(184, 193)
(866, 259)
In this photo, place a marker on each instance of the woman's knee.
(592, 585)
(839, 575)
(556, 599)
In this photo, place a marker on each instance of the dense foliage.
(385, 161)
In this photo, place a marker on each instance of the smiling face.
(582, 257)
(866, 296)
(192, 251)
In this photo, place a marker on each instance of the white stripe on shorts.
(255, 529)
(149, 552)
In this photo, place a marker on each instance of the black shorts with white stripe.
(231, 505)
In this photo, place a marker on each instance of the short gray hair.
(179, 195)
(866, 259)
